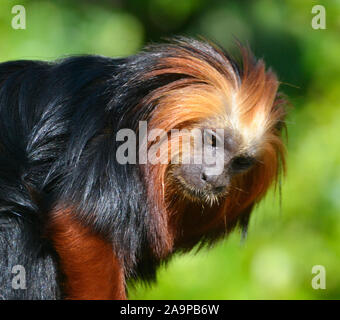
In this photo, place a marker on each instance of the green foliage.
(276, 261)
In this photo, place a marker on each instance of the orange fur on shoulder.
(90, 268)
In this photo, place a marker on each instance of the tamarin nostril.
(204, 177)
(219, 189)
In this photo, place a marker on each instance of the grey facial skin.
(221, 161)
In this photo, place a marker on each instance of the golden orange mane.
(212, 89)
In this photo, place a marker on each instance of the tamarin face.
(233, 113)
(211, 168)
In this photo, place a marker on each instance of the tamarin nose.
(217, 182)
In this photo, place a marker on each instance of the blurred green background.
(283, 244)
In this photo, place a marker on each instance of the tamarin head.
(220, 147)
(233, 113)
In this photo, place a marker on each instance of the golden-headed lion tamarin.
(82, 221)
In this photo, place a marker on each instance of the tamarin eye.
(213, 141)
(242, 163)
(210, 138)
